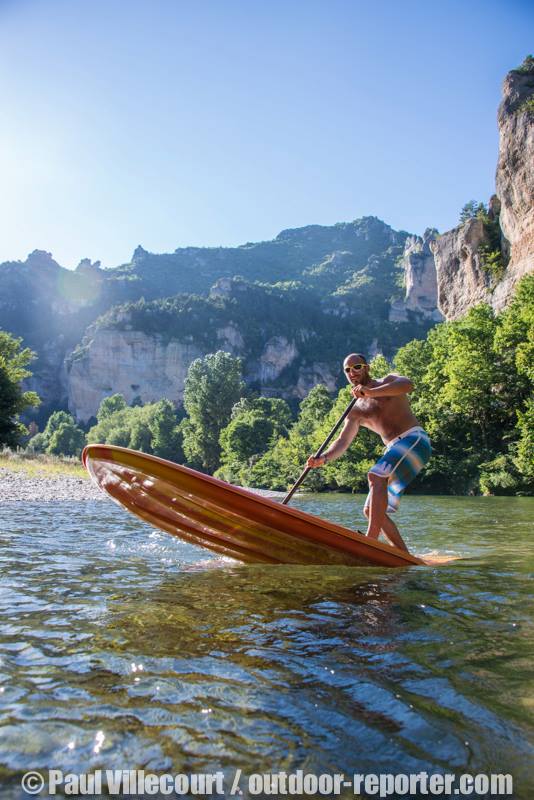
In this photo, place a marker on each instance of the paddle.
(342, 418)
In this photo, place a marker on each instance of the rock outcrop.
(129, 362)
(515, 177)
(462, 282)
(310, 375)
(463, 276)
(421, 289)
(149, 367)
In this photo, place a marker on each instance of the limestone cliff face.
(312, 374)
(150, 367)
(463, 279)
(420, 281)
(230, 339)
(278, 353)
(462, 282)
(515, 176)
(131, 363)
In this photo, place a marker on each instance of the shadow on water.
(121, 649)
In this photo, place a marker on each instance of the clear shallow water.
(122, 647)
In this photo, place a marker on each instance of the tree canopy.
(212, 387)
(14, 360)
(152, 428)
(61, 436)
(255, 425)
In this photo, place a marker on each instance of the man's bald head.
(356, 368)
(355, 358)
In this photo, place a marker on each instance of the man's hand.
(316, 462)
(361, 391)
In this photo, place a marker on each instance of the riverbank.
(33, 478)
(43, 479)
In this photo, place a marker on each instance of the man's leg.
(390, 531)
(378, 504)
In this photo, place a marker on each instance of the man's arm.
(349, 430)
(391, 386)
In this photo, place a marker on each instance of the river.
(122, 647)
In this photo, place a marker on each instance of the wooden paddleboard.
(227, 519)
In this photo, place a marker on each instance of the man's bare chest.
(371, 408)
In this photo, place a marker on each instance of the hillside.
(343, 277)
(288, 340)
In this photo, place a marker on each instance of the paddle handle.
(326, 442)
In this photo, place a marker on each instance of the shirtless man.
(384, 408)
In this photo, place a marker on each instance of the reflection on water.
(122, 647)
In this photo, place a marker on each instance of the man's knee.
(366, 511)
(377, 481)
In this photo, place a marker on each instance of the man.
(384, 408)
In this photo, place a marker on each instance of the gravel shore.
(18, 486)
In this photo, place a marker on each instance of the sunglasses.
(355, 366)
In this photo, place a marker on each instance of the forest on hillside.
(473, 382)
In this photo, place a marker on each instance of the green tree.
(255, 425)
(38, 443)
(525, 445)
(110, 405)
(471, 210)
(13, 400)
(280, 466)
(379, 366)
(151, 428)
(136, 431)
(55, 420)
(212, 387)
(61, 436)
(514, 338)
(453, 374)
(473, 380)
(121, 425)
(166, 439)
(67, 440)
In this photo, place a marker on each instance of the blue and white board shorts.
(403, 459)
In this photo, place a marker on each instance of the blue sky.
(169, 123)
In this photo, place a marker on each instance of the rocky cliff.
(287, 342)
(420, 281)
(345, 273)
(136, 365)
(462, 281)
(148, 367)
(482, 259)
(515, 177)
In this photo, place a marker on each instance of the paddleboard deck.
(226, 519)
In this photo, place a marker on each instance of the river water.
(123, 648)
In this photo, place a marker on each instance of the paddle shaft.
(303, 474)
